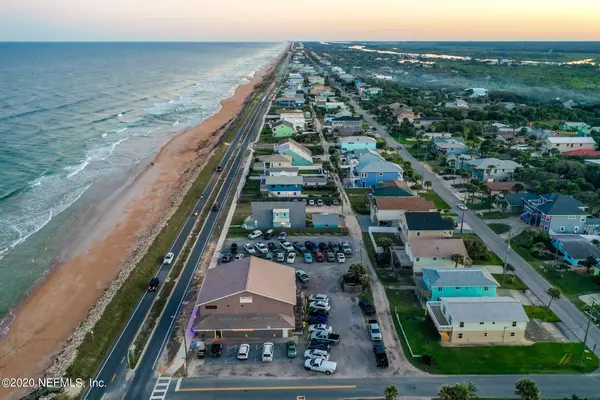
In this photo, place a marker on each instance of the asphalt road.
(114, 373)
(574, 322)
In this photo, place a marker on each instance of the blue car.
(311, 246)
(269, 256)
(308, 258)
(317, 319)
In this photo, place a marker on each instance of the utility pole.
(462, 221)
(586, 334)
(185, 362)
(506, 255)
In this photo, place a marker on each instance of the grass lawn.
(394, 238)
(511, 282)
(494, 215)
(403, 140)
(433, 196)
(483, 205)
(541, 313)
(242, 210)
(499, 228)
(358, 200)
(490, 259)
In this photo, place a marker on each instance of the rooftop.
(245, 321)
(571, 139)
(404, 203)
(578, 247)
(380, 166)
(429, 247)
(284, 180)
(428, 221)
(483, 163)
(482, 309)
(392, 189)
(276, 158)
(326, 219)
(560, 204)
(357, 139)
(458, 277)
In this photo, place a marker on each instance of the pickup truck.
(325, 337)
(320, 365)
(374, 330)
(381, 359)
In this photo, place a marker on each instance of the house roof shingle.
(485, 309)
(380, 166)
(284, 180)
(404, 203)
(560, 204)
(429, 247)
(459, 277)
(578, 247)
(427, 221)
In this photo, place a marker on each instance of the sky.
(273, 20)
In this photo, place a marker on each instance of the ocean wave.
(106, 118)
(120, 130)
(176, 123)
(104, 134)
(41, 110)
(74, 170)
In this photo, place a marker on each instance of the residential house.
(568, 143)
(391, 189)
(334, 105)
(312, 180)
(449, 146)
(283, 186)
(301, 155)
(281, 171)
(436, 135)
(496, 188)
(373, 91)
(312, 79)
(276, 214)
(351, 143)
(575, 249)
(371, 173)
(555, 213)
(479, 320)
(342, 113)
(247, 299)
(426, 224)
(282, 129)
(295, 118)
(347, 125)
(574, 126)
(513, 203)
(286, 101)
(435, 284)
(432, 252)
(425, 122)
(388, 211)
(477, 92)
(409, 115)
(491, 169)
(582, 153)
(325, 220)
(457, 104)
(317, 89)
(299, 100)
(272, 161)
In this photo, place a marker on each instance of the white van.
(267, 352)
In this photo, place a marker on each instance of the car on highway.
(318, 297)
(291, 258)
(308, 258)
(330, 256)
(366, 307)
(215, 207)
(249, 248)
(153, 285)
(315, 353)
(243, 352)
(319, 305)
(216, 349)
(268, 234)
(300, 247)
(301, 275)
(341, 258)
(239, 256)
(292, 351)
(462, 207)
(280, 257)
(272, 246)
(320, 327)
(287, 246)
(227, 257)
(320, 365)
(316, 319)
(219, 168)
(346, 249)
(255, 234)
(282, 236)
(261, 247)
(169, 258)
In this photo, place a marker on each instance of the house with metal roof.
(426, 252)
(449, 146)
(247, 298)
(569, 143)
(456, 282)
(555, 213)
(575, 249)
(479, 320)
(346, 125)
(276, 214)
(372, 172)
(351, 143)
(392, 189)
(301, 155)
(388, 211)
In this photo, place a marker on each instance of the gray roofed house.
(288, 171)
(478, 309)
(263, 217)
(284, 180)
(458, 277)
(427, 221)
(314, 180)
(380, 166)
(575, 249)
(555, 213)
(326, 220)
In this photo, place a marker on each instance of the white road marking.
(160, 388)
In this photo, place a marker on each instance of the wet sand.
(46, 320)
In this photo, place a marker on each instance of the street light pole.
(506, 255)
(586, 334)
(462, 221)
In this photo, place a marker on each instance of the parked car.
(227, 257)
(327, 202)
(374, 330)
(336, 202)
(318, 297)
(311, 202)
(319, 345)
(316, 319)
(169, 258)
(239, 256)
(282, 236)
(319, 256)
(301, 275)
(272, 246)
(381, 360)
(216, 349)
(320, 328)
(308, 258)
(319, 202)
(287, 246)
(315, 353)
(269, 256)
(320, 365)
(318, 311)
(281, 257)
(291, 258)
(261, 247)
(323, 246)
(346, 249)
(255, 234)
(311, 246)
(335, 246)
(291, 349)
(299, 246)
(249, 248)
(325, 336)
(366, 307)
(330, 256)
(341, 258)
(267, 355)
(320, 305)
(268, 234)
(234, 248)
(243, 352)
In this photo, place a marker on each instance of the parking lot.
(230, 352)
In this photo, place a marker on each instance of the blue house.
(450, 146)
(372, 173)
(283, 186)
(455, 282)
(575, 250)
(555, 213)
(286, 102)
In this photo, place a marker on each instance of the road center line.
(267, 388)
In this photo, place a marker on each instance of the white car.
(239, 256)
(319, 305)
(291, 258)
(169, 258)
(311, 354)
(341, 258)
(318, 297)
(287, 246)
(319, 202)
(320, 365)
(281, 257)
(243, 352)
(346, 248)
(311, 202)
(462, 207)
(320, 328)
(261, 247)
(282, 236)
(255, 234)
(249, 248)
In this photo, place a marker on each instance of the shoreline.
(51, 313)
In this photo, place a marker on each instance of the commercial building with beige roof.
(247, 298)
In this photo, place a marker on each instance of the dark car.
(272, 246)
(153, 285)
(215, 207)
(216, 349)
(330, 256)
(317, 319)
(300, 247)
(227, 257)
(319, 345)
(268, 234)
(311, 246)
(234, 248)
(335, 246)
(318, 311)
(327, 202)
(366, 307)
(219, 168)
(323, 246)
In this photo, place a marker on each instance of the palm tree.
(554, 293)
(589, 263)
(391, 393)
(457, 258)
(527, 389)
(428, 185)
(509, 268)
(460, 391)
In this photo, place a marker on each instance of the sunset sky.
(272, 20)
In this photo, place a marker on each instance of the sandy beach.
(46, 320)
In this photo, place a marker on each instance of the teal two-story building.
(435, 284)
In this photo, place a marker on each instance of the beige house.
(388, 211)
(265, 163)
(249, 298)
(436, 253)
(569, 143)
(479, 320)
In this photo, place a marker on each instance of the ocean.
(73, 116)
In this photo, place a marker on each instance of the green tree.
(391, 393)
(589, 263)
(555, 294)
(457, 258)
(518, 187)
(357, 270)
(527, 389)
(460, 391)
(428, 185)
(508, 269)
